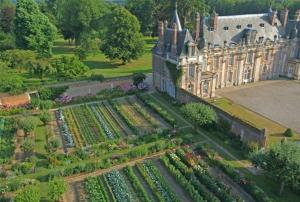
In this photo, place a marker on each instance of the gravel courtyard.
(277, 100)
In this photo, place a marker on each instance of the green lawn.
(98, 64)
(274, 130)
(40, 139)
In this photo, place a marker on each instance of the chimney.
(284, 16)
(161, 34)
(214, 20)
(197, 27)
(174, 39)
(166, 24)
(272, 16)
(297, 15)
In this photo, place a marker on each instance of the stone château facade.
(226, 51)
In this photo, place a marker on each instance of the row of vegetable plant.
(125, 118)
(190, 175)
(101, 121)
(117, 118)
(143, 112)
(137, 119)
(148, 101)
(156, 182)
(182, 180)
(64, 129)
(136, 184)
(119, 186)
(95, 190)
(218, 188)
(116, 129)
(89, 129)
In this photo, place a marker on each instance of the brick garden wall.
(247, 132)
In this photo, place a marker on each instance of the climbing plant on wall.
(175, 73)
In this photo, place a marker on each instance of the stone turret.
(161, 34)
(174, 39)
(214, 20)
(197, 27)
(284, 16)
(272, 16)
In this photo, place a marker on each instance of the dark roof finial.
(176, 18)
(270, 7)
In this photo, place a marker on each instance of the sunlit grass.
(274, 130)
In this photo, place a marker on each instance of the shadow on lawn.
(101, 64)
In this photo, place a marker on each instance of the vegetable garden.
(146, 181)
(94, 123)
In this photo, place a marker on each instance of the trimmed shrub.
(289, 133)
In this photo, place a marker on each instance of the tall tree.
(187, 9)
(33, 29)
(76, 17)
(7, 15)
(282, 162)
(123, 39)
(144, 10)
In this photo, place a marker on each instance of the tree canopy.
(69, 67)
(123, 39)
(77, 17)
(200, 114)
(282, 162)
(33, 29)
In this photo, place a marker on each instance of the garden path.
(81, 177)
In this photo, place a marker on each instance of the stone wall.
(247, 132)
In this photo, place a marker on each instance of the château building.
(226, 51)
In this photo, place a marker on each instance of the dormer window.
(261, 38)
(226, 28)
(275, 24)
(239, 27)
(262, 25)
(249, 25)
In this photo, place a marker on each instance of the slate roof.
(235, 35)
(290, 28)
(237, 31)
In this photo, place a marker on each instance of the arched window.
(231, 59)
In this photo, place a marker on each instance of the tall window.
(294, 53)
(266, 55)
(205, 87)
(247, 75)
(216, 62)
(250, 57)
(229, 76)
(191, 71)
(231, 59)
